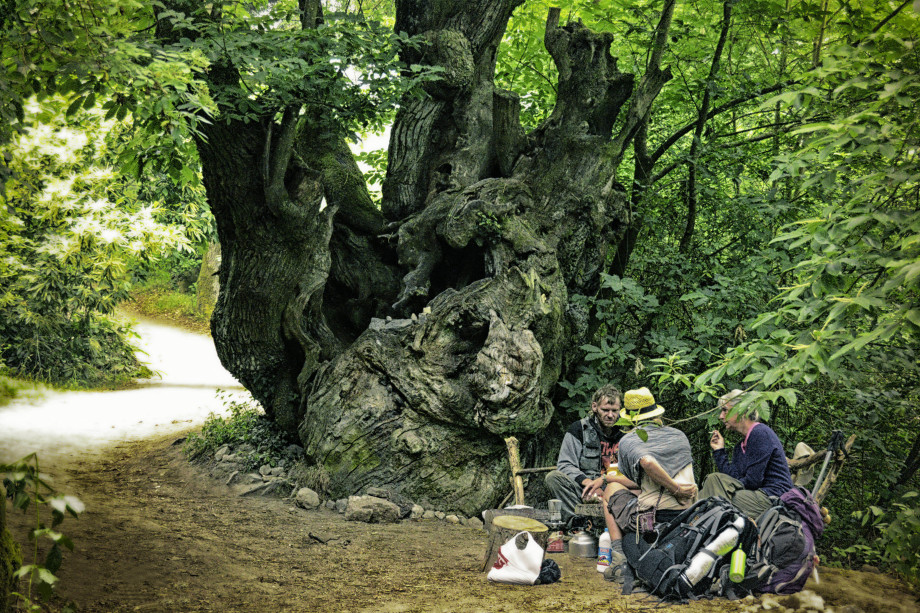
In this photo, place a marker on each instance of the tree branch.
(700, 126)
(649, 86)
(275, 159)
(667, 144)
(890, 17)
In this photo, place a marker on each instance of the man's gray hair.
(733, 397)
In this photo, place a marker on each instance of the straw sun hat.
(639, 405)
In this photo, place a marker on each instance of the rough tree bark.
(404, 345)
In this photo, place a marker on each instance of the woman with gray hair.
(758, 468)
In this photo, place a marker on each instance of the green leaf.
(74, 106)
(54, 559)
(913, 316)
(46, 576)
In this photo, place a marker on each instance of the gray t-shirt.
(668, 446)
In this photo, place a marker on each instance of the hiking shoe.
(614, 572)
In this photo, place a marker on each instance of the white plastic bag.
(518, 565)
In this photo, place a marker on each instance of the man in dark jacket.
(588, 448)
(758, 468)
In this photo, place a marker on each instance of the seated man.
(758, 468)
(587, 449)
(661, 467)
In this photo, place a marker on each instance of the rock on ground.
(372, 510)
(307, 498)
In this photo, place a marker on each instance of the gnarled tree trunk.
(403, 345)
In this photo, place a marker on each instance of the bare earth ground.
(160, 535)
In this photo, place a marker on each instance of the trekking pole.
(832, 447)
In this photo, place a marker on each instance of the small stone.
(429, 514)
(277, 471)
(440, 514)
(330, 504)
(221, 452)
(452, 519)
(475, 523)
(341, 505)
(417, 512)
(307, 498)
(265, 470)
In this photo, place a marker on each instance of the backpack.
(786, 554)
(680, 560)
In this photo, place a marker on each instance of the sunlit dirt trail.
(65, 426)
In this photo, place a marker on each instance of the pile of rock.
(231, 466)
(376, 505)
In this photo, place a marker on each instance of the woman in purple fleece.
(758, 468)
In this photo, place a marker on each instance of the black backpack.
(673, 560)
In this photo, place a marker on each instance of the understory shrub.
(93, 351)
(31, 492)
(896, 542)
(68, 229)
(252, 435)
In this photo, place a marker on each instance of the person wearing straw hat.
(657, 474)
(758, 468)
(588, 448)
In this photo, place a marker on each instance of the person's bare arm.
(622, 480)
(658, 474)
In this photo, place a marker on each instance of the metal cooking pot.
(583, 545)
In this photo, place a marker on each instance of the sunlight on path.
(71, 425)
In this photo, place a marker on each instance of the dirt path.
(160, 535)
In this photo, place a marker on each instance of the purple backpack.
(788, 532)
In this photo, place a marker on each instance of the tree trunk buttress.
(494, 232)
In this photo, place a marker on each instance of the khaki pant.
(751, 502)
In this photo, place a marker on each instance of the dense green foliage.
(70, 228)
(254, 437)
(774, 245)
(119, 153)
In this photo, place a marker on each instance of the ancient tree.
(403, 344)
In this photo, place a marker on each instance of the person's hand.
(592, 488)
(685, 490)
(716, 441)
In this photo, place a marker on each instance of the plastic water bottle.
(603, 551)
(702, 562)
(738, 564)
